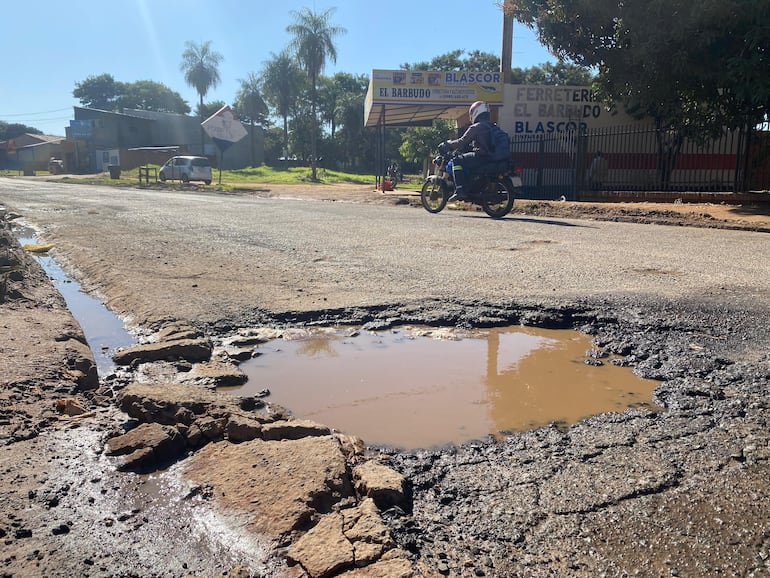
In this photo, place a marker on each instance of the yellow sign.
(435, 87)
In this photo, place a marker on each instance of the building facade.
(110, 138)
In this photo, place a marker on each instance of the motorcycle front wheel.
(434, 195)
(497, 198)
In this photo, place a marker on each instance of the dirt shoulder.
(743, 216)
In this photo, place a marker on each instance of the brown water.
(419, 388)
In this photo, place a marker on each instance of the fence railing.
(572, 165)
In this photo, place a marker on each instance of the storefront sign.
(536, 109)
(435, 87)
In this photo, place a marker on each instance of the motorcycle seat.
(494, 167)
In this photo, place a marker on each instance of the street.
(207, 255)
(680, 490)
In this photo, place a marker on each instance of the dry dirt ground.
(63, 508)
(748, 216)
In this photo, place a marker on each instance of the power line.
(34, 120)
(34, 113)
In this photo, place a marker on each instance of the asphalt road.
(206, 255)
(679, 492)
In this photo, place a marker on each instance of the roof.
(159, 149)
(32, 139)
(410, 114)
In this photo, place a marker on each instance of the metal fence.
(576, 165)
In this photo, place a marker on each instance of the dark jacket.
(477, 139)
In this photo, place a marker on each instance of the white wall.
(536, 109)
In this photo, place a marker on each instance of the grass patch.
(232, 178)
(289, 176)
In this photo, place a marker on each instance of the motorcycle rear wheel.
(497, 198)
(434, 195)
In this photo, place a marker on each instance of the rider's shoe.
(459, 195)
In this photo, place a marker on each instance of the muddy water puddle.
(414, 387)
(104, 331)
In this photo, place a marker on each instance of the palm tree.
(200, 67)
(282, 82)
(251, 107)
(314, 43)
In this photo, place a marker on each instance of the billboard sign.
(81, 129)
(414, 87)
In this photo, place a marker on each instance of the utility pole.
(506, 55)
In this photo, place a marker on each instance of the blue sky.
(48, 45)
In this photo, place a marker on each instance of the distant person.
(597, 172)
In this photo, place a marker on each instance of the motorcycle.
(493, 186)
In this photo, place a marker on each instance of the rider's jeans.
(462, 167)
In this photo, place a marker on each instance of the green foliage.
(103, 92)
(476, 60)
(249, 104)
(200, 65)
(313, 40)
(205, 110)
(695, 67)
(420, 143)
(240, 179)
(12, 130)
(251, 108)
(273, 145)
(282, 82)
(288, 175)
(150, 95)
(313, 44)
(341, 106)
(561, 73)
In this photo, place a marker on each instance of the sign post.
(225, 129)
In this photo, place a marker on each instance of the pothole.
(417, 387)
(410, 387)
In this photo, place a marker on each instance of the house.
(138, 137)
(32, 152)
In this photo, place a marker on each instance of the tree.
(350, 137)
(313, 43)
(151, 95)
(419, 143)
(338, 95)
(100, 92)
(103, 92)
(200, 66)
(561, 73)
(282, 82)
(251, 108)
(694, 68)
(12, 130)
(476, 60)
(273, 143)
(205, 110)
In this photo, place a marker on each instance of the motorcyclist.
(476, 141)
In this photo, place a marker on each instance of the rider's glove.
(443, 147)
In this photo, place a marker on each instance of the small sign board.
(224, 128)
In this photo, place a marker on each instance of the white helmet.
(476, 109)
